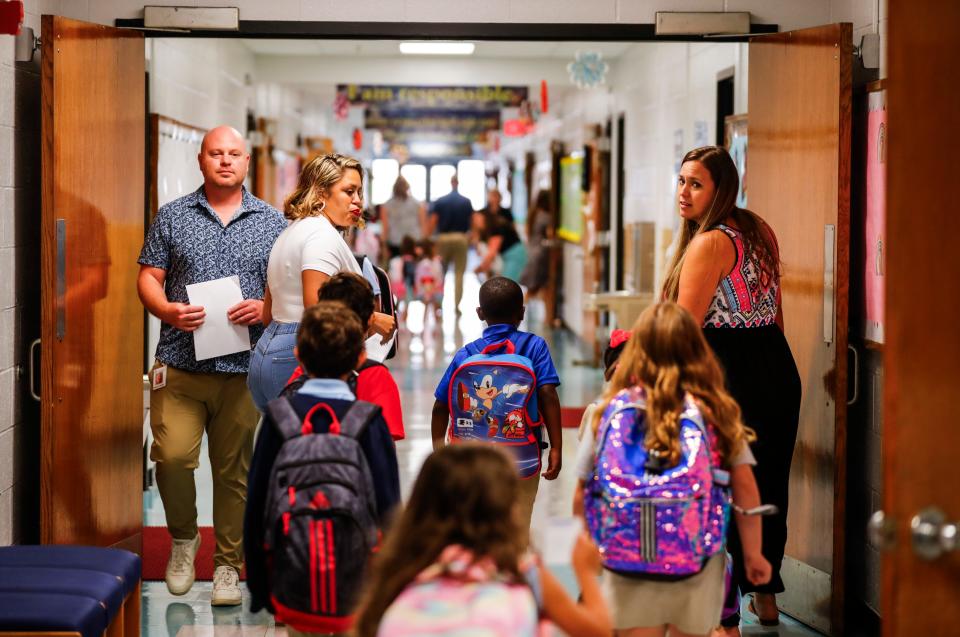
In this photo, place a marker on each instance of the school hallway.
(424, 352)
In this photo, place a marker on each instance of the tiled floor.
(426, 348)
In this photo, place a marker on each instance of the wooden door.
(798, 167)
(921, 440)
(92, 322)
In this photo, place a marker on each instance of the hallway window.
(473, 182)
(416, 176)
(383, 172)
(440, 175)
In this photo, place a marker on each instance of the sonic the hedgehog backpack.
(489, 398)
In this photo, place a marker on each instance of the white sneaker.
(180, 573)
(226, 587)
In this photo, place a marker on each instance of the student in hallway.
(371, 380)
(330, 342)
(501, 306)
(450, 217)
(217, 231)
(455, 562)
(666, 381)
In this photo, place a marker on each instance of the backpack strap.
(358, 418)
(355, 375)
(284, 418)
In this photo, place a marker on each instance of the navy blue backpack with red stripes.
(320, 519)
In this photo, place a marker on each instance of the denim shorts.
(272, 363)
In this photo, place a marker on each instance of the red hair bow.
(618, 338)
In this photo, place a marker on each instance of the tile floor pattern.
(427, 344)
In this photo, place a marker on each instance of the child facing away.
(668, 382)
(501, 306)
(402, 269)
(455, 562)
(371, 380)
(309, 544)
(611, 354)
(428, 276)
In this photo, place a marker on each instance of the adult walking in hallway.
(726, 272)
(402, 216)
(450, 218)
(495, 207)
(220, 230)
(327, 200)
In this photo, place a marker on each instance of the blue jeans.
(272, 362)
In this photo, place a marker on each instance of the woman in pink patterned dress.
(726, 272)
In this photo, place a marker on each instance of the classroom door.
(92, 322)
(921, 441)
(798, 179)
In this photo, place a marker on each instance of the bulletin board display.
(174, 169)
(875, 222)
(571, 199)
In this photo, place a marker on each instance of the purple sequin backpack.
(649, 520)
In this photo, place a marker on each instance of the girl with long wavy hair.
(456, 560)
(666, 360)
(726, 273)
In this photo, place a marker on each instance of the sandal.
(763, 622)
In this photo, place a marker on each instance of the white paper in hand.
(218, 336)
(376, 350)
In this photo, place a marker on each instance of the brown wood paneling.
(921, 442)
(93, 172)
(799, 174)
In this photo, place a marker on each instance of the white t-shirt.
(311, 243)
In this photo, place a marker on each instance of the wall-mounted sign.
(434, 121)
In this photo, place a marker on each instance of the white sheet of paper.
(559, 538)
(376, 351)
(218, 336)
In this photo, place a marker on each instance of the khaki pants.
(452, 247)
(180, 412)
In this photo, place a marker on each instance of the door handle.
(33, 387)
(856, 374)
(932, 535)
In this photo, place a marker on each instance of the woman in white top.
(328, 198)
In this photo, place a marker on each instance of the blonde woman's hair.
(757, 236)
(315, 181)
(668, 356)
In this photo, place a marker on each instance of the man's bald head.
(223, 158)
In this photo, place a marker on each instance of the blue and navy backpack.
(490, 400)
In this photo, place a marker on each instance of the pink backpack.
(458, 593)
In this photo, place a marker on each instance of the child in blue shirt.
(501, 306)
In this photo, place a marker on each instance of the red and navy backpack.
(320, 518)
(489, 400)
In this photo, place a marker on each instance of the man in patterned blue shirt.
(218, 231)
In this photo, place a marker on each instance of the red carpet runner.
(156, 552)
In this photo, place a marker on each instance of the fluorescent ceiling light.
(437, 48)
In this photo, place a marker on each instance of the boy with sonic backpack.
(502, 389)
(323, 480)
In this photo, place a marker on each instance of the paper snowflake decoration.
(588, 69)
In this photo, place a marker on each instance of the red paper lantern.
(544, 98)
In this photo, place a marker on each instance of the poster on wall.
(735, 139)
(571, 199)
(875, 229)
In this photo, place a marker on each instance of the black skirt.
(762, 377)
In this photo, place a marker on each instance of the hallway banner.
(434, 121)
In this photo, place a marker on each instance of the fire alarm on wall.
(11, 16)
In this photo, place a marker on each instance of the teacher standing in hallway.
(726, 272)
(220, 230)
